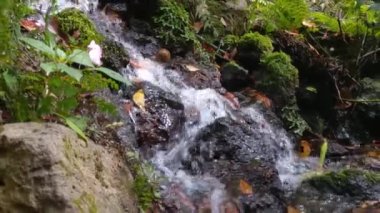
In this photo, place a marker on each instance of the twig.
(340, 26)
(337, 89)
(370, 53)
(361, 100)
(362, 47)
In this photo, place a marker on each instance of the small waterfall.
(211, 106)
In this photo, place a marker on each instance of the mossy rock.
(255, 41)
(72, 20)
(280, 76)
(251, 47)
(233, 77)
(349, 182)
(114, 55)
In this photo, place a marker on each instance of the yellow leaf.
(139, 99)
(245, 188)
(305, 148)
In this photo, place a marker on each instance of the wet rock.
(46, 168)
(234, 77)
(204, 77)
(234, 150)
(338, 191)
(163, 119)
(114, 55)
(335, 149)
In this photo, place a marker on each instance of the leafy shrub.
(172, 25)
(71, 20)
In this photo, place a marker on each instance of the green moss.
(114, 55)
(231, 40)
(255, 41)
(349, 181)
(280, 75)
(71, 20)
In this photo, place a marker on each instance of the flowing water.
(211, 106)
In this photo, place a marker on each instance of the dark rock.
(369, 113)
(205, 77)
(114, 55)
(234, 150)
(163, 119)
(335, 149)
(234, 77)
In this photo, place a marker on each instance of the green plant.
(172, 25)
(279, 15)
(290, 114)
(72, 21)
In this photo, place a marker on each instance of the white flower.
(95, 53)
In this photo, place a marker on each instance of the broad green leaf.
(75, 73)
(39, 45)
(49, 67)
(10, 81)
(67, 105)
(71, 123)
(80, 57)
(60, 53)
(112, 74)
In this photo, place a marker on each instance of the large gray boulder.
(46, 168)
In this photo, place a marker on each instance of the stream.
(214, 150)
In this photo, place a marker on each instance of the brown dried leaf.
(198, 26)
(292, 209)
(245, 187)
(29, 25)
(305, 148)
(191, 68)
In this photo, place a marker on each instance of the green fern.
(282, 14)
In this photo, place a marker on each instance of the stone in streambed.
(46, 168)
(234, 77)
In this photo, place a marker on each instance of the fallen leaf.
(374, 154)
(305, 148)
(95, 53)
(309, 24)
(191, 68)
(198, 26)
(292, 209)
(223, 21)
(232, 99)
(29, 25)
(245, 187)
(139, 99)
(260, 97)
